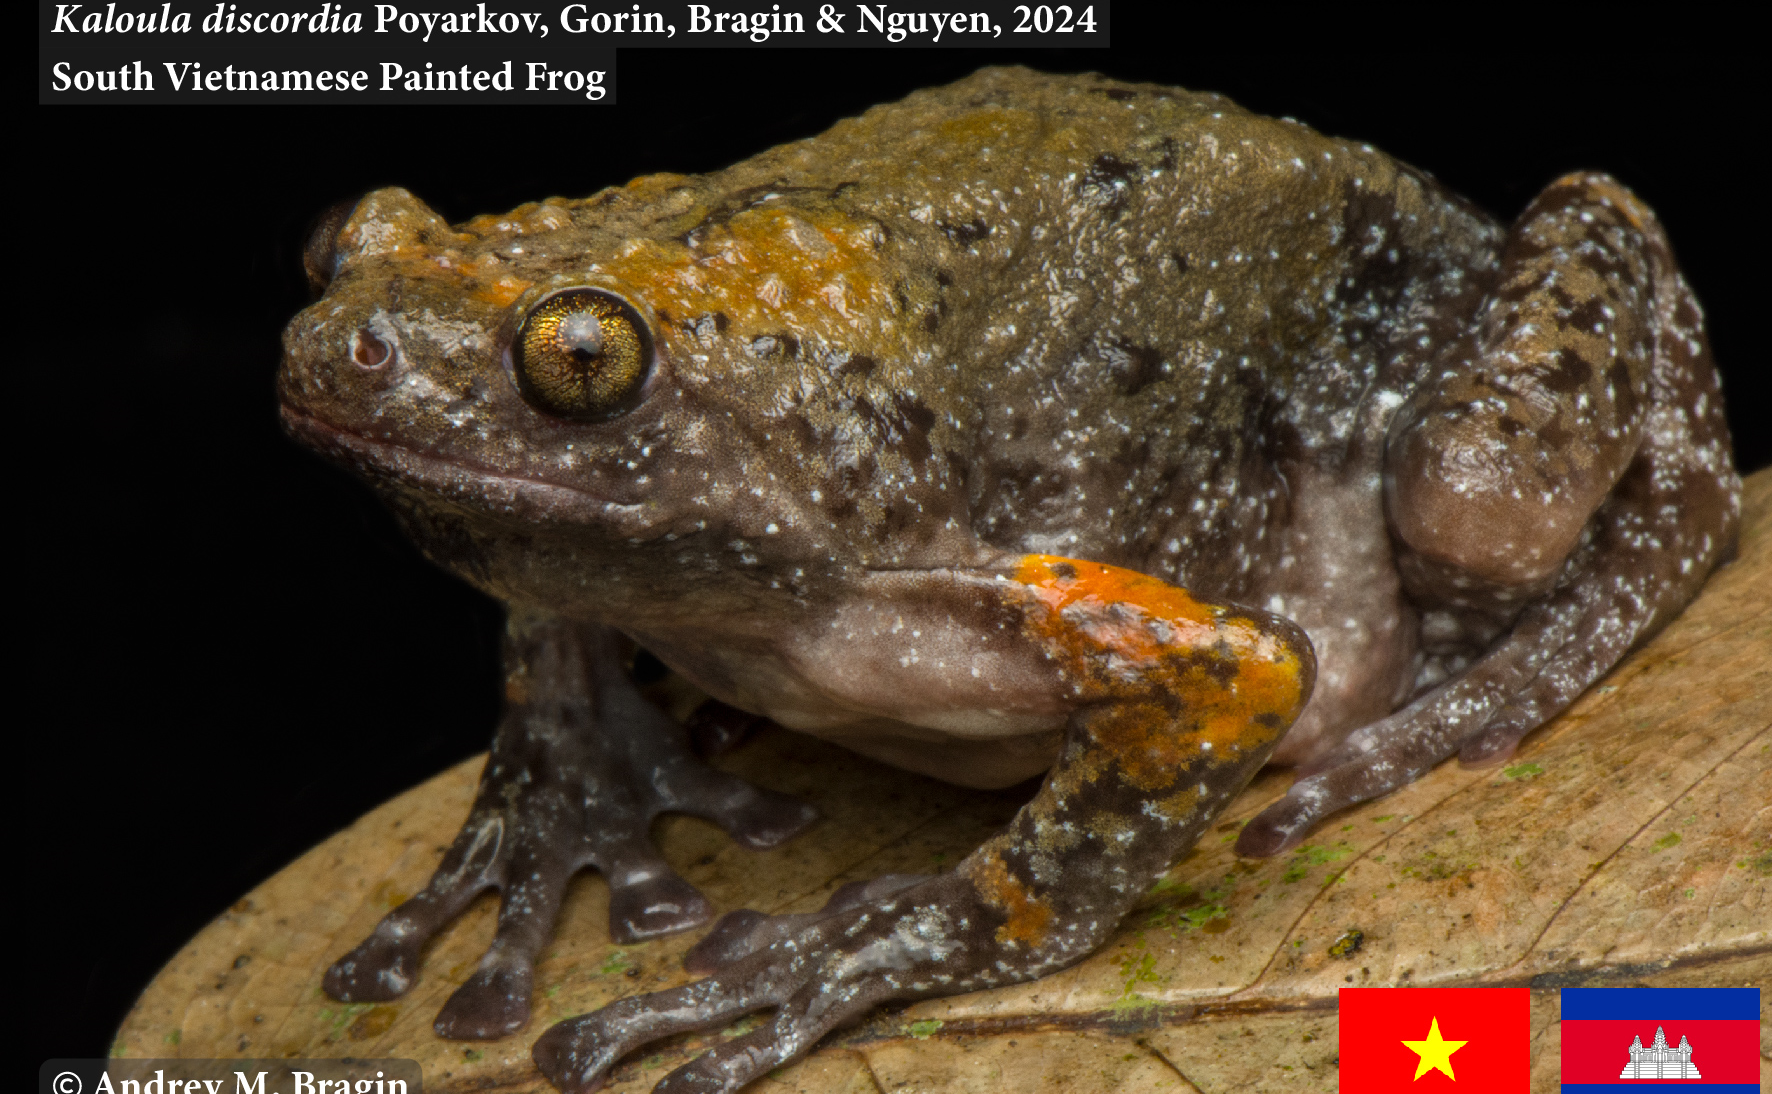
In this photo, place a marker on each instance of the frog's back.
(1084, 313)
(1143, 295)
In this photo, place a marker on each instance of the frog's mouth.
(497, 494)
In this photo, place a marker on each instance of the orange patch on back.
(818, 272)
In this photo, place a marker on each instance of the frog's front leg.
(1173, 706)
(580, 767)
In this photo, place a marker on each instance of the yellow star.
(1435, 1052)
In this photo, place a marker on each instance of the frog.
(1036, 427)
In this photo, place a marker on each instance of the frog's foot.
(1576, 465)
(580, 768)
(1172, 705)
(934, 937)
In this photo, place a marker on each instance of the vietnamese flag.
(1426, 1040)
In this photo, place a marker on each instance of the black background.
(232, 653)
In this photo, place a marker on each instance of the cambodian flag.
(1699, 1039)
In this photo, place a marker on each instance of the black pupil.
(582, 336)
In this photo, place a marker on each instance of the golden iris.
(581, 354)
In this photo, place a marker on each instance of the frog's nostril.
(369, 351)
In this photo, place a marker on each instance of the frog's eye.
(581, 354)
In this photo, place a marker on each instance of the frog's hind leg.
(1558, 493)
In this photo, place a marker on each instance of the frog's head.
(648, 366)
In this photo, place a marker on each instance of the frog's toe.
(742, 933)
(1583, 657)
(736, 935)
(761, 820)
(758, 819)
(652, 900)
(493, 1003)
(378, 970)
(1390, 753)
(495, 1000)
(810, 1013)
(1284, 824)
(576, 1055)
(384, 965)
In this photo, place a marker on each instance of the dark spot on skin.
(1553, 436)
(1511, 426)
(721, 322)
(1108, 183)
(1133, 367)
(1064, 571)
(1622, 390)
(790, 345)
(840, 508)
(1131, 458)
(918, 420)
(944, 278)
(1110, 168)
(1285, 442)
(1589, 315)
(1686, 312)
(1271, 720)
(1118, 94)
(931, 320)
(1180, 261)
(858, 365)
(1570, 373)
(1602, 259)
(805, 436)
(1375, 277)
(965, 234)
(902, 425)
(959, 467)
